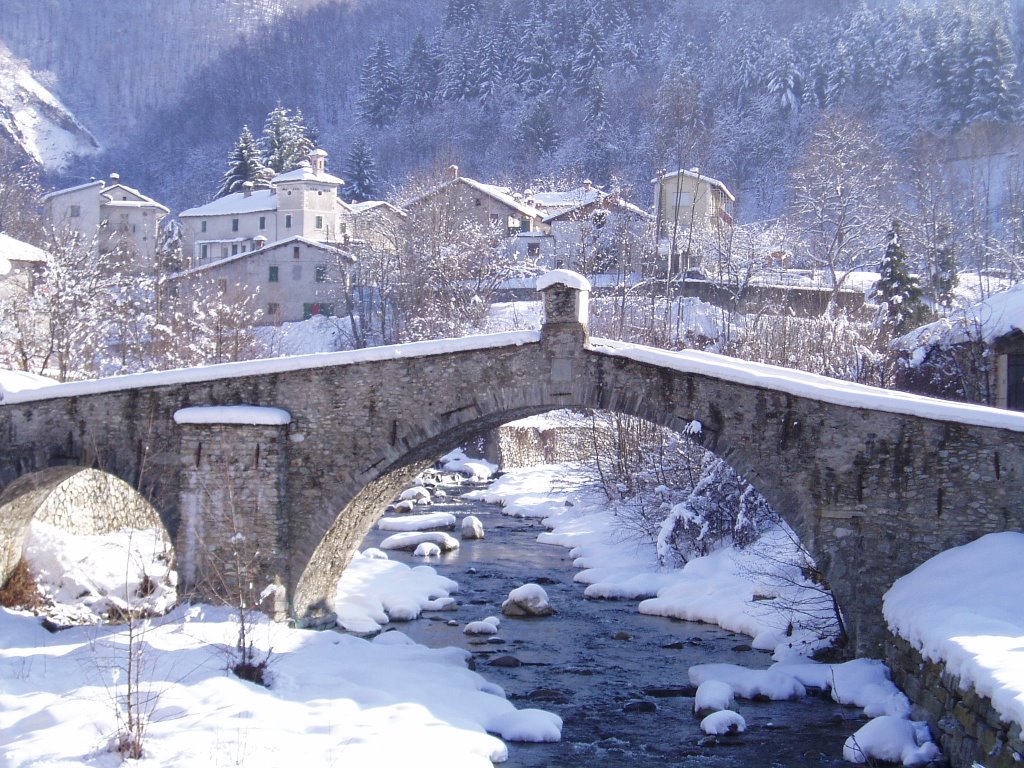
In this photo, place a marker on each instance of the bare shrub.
(21, 590)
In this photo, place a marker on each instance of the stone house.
(300, 203)
(290, 280)
(688, 203)
(373, 224)
(110, 215)
(587, 227)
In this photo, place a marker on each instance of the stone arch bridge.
(874, 482)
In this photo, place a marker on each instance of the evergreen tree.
(286, 140)
(420, 76)
(361, 172)
(589, 59)
(380, 88)
(244, 164)
(901, 308)
(539, 131)
(942, 276)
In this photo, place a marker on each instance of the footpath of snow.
(332, 698)
(964, 608)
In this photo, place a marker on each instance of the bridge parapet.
(565, 332)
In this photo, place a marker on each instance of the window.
(477, 202)
(234, 249)
(234, 225)
(273, 276)
(684, 200)
(533, 250)
(263, 222)
(1015, 382)
(319, 222)
(295, 252)
(288, 221)
(76, 211)
(273, 307)
(296, 271)
(202, 226)
(204, 251)
(321, 273)
(317, 308)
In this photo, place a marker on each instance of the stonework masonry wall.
(967, 727)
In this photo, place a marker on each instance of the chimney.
(453, 170)
(587, 185)
(115, 178)
(247, 188)
(318, 161)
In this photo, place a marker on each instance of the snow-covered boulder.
(724, 722)
(374, 553)
(406, 505)
(474, 469)
(415, 494)
(891, 740)
(411, 540)
(472, 528)
(534, 725)
(427, 549)
(480, 628)
(712, 696)
(527, 600)
(429, 522)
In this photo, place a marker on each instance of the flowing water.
(617, 678)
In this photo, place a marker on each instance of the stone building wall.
(964, 723)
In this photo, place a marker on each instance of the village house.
(976, 354)
(687, 205)
(374, 224)
(590, 230)
(108, 216)
(461, 202)
(20, 266)
(286, 247)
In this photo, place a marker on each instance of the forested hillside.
(522, 91)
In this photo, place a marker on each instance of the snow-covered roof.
(571, 198)
(236, 203)
(21, 381)
(370, 205)
(98, 183)
(503, 195)
(142, 200)
(305, 172)
(694, 174)
(1000, 314)
(287, 242)
(13, 249)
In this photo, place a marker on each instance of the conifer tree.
(380, 88)
(287, 141)
(420, 76)
(901, 308)
(244, 165)
(360, 171)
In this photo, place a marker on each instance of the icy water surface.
(617, 678)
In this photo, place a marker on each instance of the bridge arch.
(79, 500)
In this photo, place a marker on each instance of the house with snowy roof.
(109, 215)
(373, 224)
(288, 280)
(585, 225)
(302, 203)
(688, 203)
(975, 354)
(20, 265)
(460, 201)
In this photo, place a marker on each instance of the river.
(617, 678)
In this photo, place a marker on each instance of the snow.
(963, 608)
(564, 277)
(813, 386)
(891, 740)
(408, 523)
(532, 725)
(276, 365)
(472, 528)
(713, 696)
(20, 381)
(528, 600)
(998, 315)
(236, 203)
(416, 493)
(480, 628)
(411, 540)
(232, 414)
(18, 250)
(427, 549)
(305, 173)
(750, 683)
(374, 591)
(721, 723)
(475, 469)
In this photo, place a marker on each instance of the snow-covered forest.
(544, 89)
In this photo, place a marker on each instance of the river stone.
(506, 661)
(642, 707)
(622, 636)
